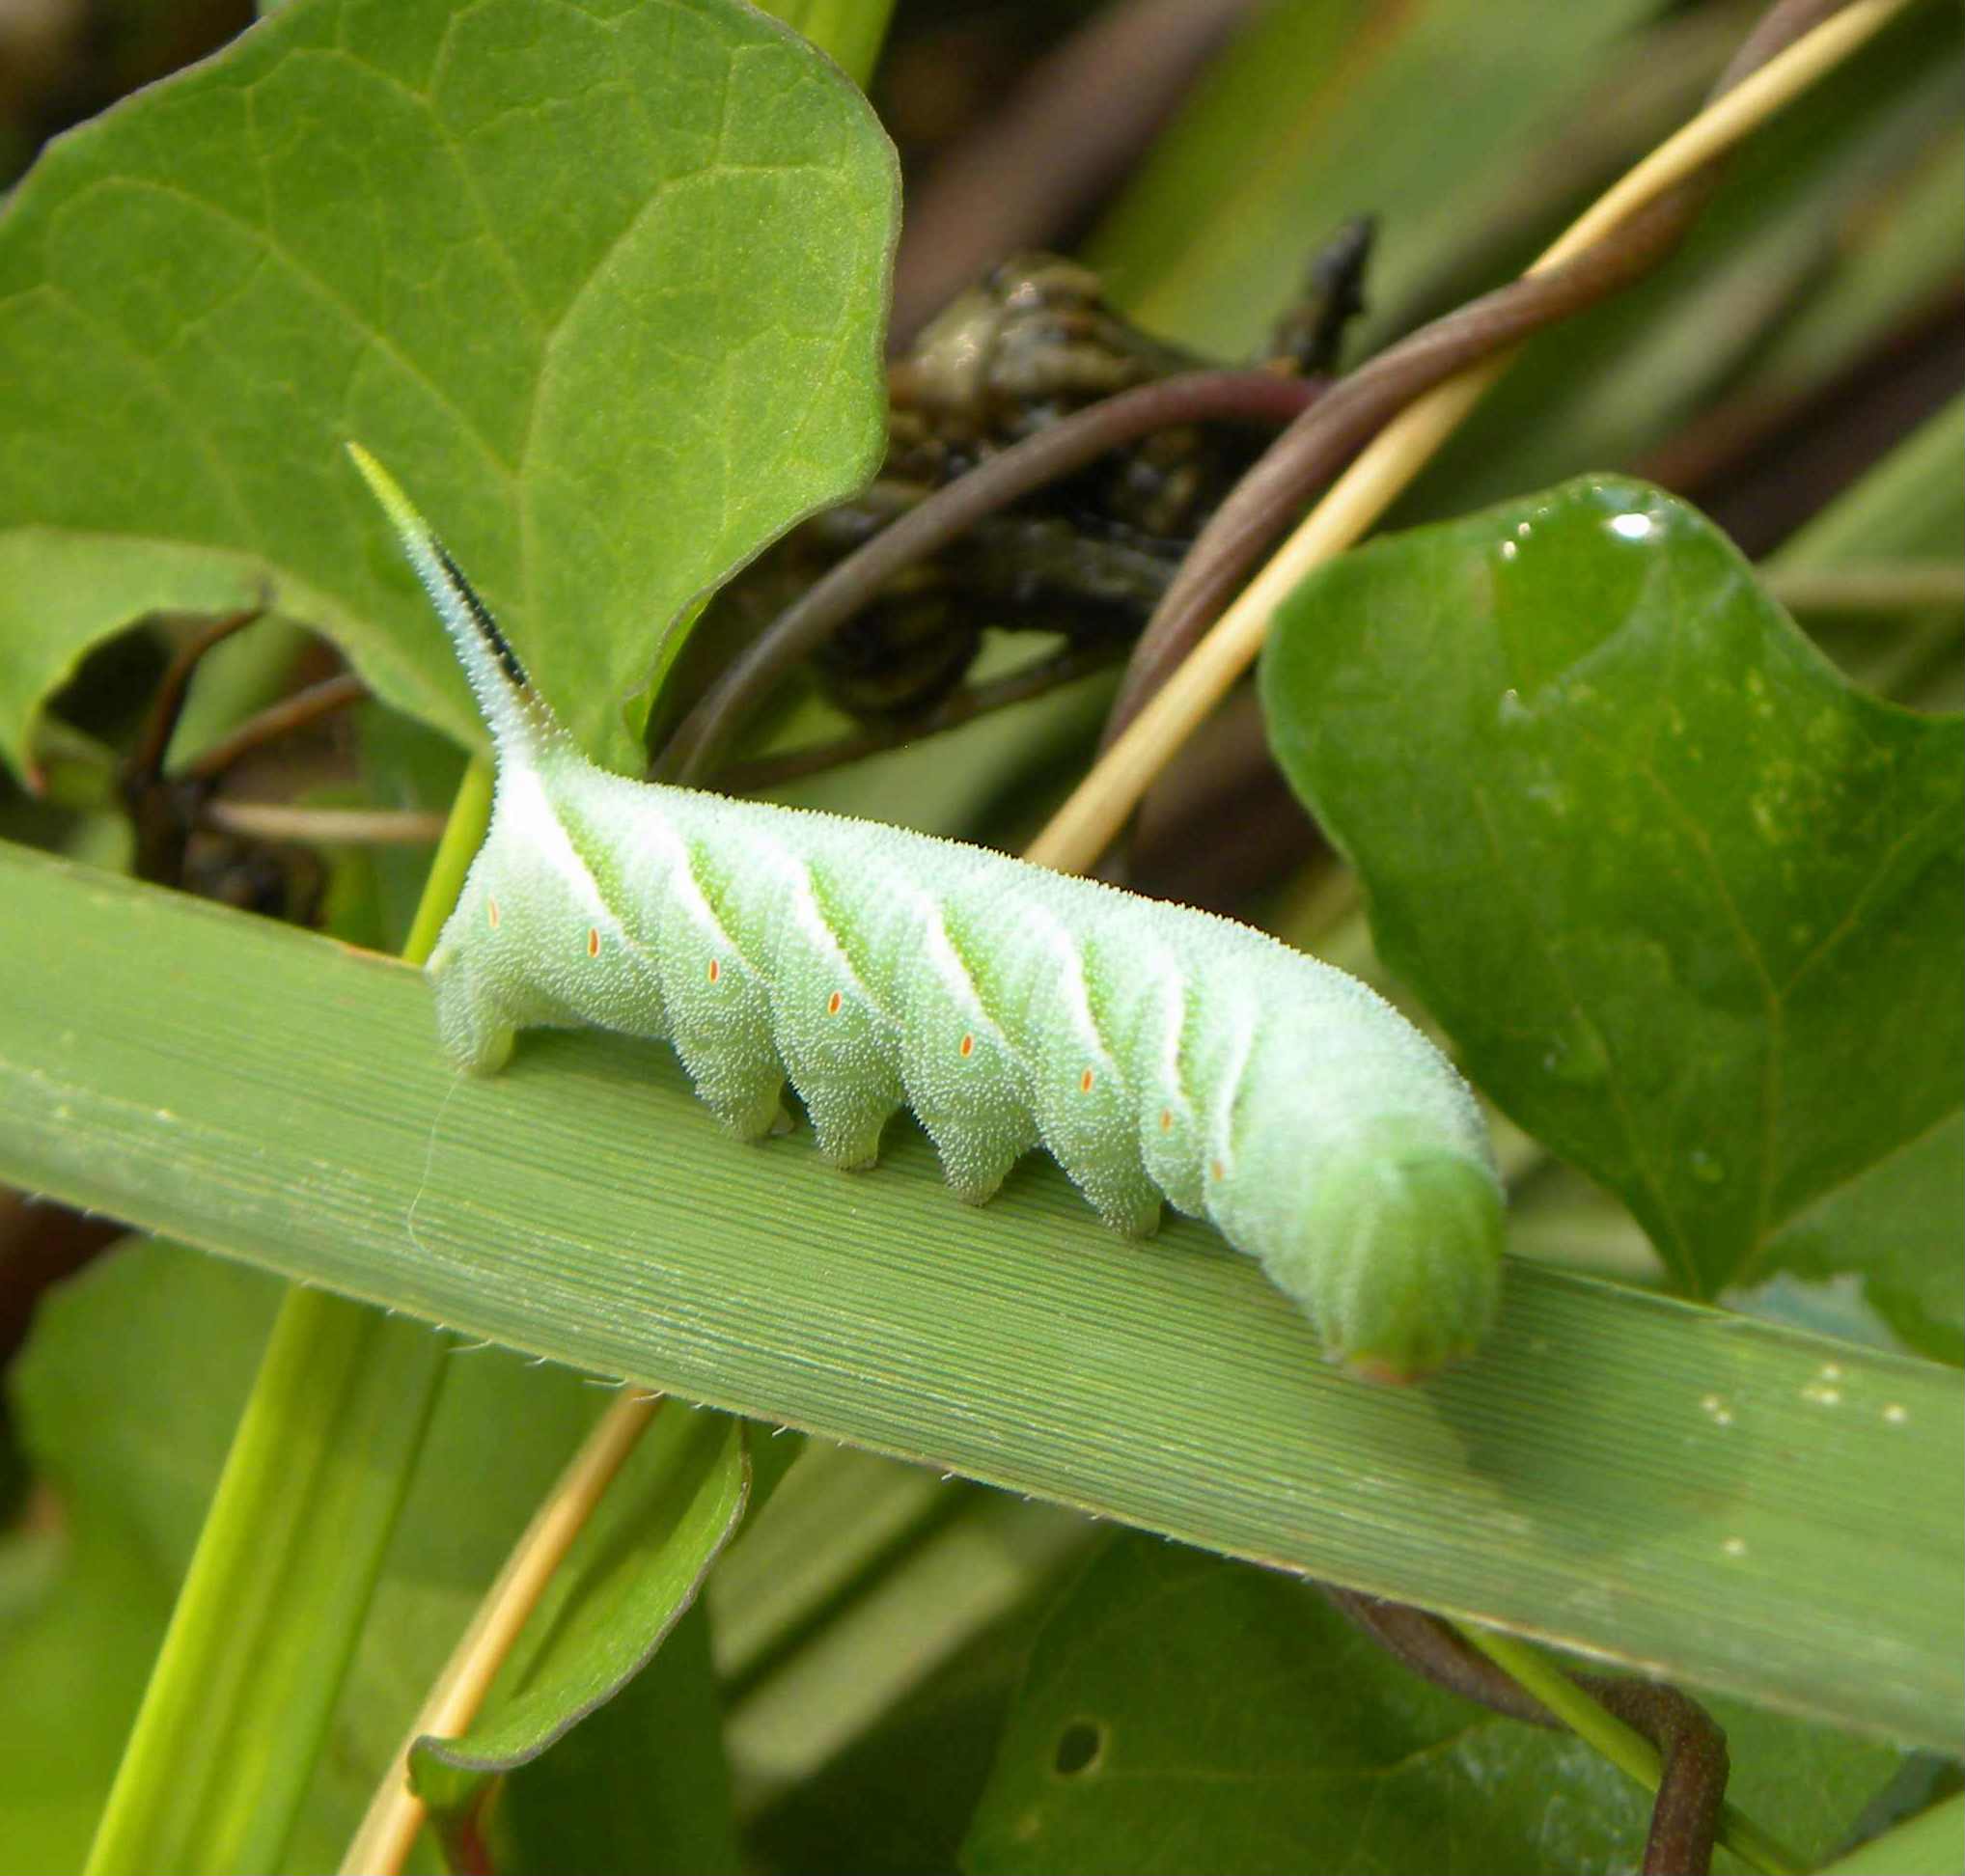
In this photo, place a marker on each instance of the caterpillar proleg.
(1154, 1051)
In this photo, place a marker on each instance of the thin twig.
(1653, 1742)
(161, 813)
(280, 820)
(1096, 812)
(146, 759)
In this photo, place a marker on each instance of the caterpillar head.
(1396, 1255)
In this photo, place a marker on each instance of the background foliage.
(1678, 879)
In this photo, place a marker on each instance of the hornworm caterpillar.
(1152, 1049)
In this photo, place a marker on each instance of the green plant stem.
(470, 816)
(232, 1723)
(1628, 1749)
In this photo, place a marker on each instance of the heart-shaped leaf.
(1690, 905)
(603, 284)
(1182, 1712)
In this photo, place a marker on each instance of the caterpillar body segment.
(1154, 1051)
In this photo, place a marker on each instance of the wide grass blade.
(1711, 1497)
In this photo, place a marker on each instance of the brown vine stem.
(1085, 824)
(276, 720)
(147, 759)
(1051, 454)
(1665, 1741)
(1319, 442)
(1678, 1749)
(395, 1813)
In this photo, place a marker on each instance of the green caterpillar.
(1152, 1049)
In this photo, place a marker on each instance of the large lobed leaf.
(1690, 905)
(601, 282)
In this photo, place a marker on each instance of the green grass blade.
(1746, 1506)
(238, 1703)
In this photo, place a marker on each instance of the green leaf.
(1898, 1231)
(1182, 1713)
(632, 1572)
(640, 1786)
(1633, 1475)
(1689, 905)
(606, 298)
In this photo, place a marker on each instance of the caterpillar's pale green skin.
(1152, 1050)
